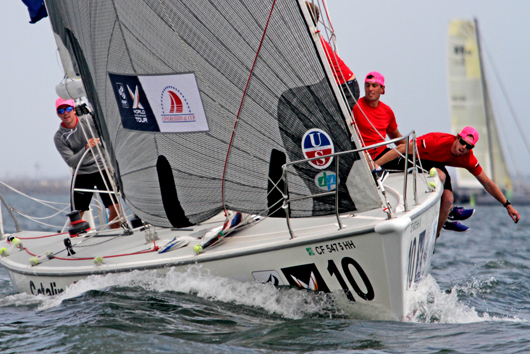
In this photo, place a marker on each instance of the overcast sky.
(405, 40)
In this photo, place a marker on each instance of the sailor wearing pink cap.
(439, 150)
(74, 147)
(375, 119)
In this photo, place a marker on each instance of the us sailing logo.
(316, 143)
(175, 107)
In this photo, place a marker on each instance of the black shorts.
(396, 164)
(399, 164)
(89, 181)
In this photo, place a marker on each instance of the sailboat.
(470, 105)
(231, 141)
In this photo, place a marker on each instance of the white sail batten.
(470, 104)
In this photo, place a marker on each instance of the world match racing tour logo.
(153, 103)
(175, 107)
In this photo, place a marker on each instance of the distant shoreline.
(30, 185)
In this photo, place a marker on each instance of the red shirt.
(383, 120)
(340, 70)
(437, 147)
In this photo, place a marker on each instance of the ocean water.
(476, 300)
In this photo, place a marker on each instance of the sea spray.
(284, 301)
(429, 304)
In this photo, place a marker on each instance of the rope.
(154, 249)
(43, 202)
(241, 106)
(44, 236)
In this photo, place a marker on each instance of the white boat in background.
(470, 105)
(230, 139)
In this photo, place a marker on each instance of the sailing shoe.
(455, 226)
(380, 174)
(460, 214)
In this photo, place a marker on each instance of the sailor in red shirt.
(374, 118)
(437, 147)
(439, 150)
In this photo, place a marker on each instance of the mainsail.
(470, 103)
(201, 102)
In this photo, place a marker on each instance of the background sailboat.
(471, 106)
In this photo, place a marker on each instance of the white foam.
(289, 303)
(24, 299)
(428, 303)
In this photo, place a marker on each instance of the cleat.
(455, 226)
(380, 174)
(459, 214)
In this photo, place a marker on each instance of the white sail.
(470, 104)
(202, 102)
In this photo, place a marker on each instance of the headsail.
(470, 103)
(168, 79)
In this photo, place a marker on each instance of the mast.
(486, 104)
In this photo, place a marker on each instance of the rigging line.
(91, 258)
(241, 106)
(40, 217)
(510, 105)
(43, 202)
(44, 236)
(325, 5)
(36, 221)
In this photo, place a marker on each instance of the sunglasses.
(465, 143)
(67, 109)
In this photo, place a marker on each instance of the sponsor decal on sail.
(154, 103)
(326, 180)
(175, 107)
(122, 97)
(317, 142)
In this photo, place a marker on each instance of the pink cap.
(377, 78)
(466, 132)
(60, 102)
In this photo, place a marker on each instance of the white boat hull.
(372, 260)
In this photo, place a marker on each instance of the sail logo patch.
(326, 180)
(135, 97)
(133, 106)
(175, 107)
(316, 142)
(122, 95)
(153, 103)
